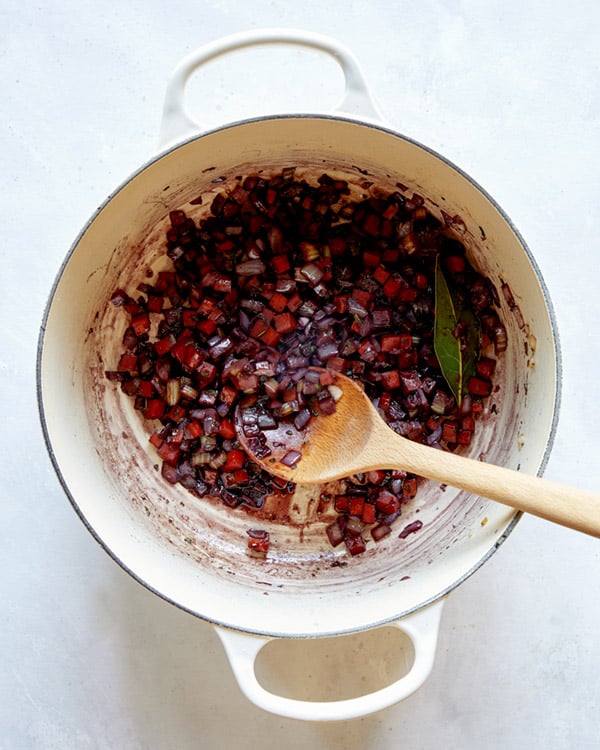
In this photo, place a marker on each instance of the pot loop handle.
(177, 124)
(421, 627)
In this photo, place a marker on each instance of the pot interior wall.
(193, 551)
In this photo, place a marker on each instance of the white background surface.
(507, 90)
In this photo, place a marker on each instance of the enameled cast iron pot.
(193, 552)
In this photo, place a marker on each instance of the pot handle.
(421, 627)
(177, 123)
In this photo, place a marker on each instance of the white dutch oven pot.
(193, 552)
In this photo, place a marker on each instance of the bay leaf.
(446, 345)
(472, 340)
(457, 357)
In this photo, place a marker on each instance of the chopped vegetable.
(282, 275)
(258, 540)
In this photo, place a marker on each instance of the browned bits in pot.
(280, 275)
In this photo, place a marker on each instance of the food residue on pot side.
(280, 275)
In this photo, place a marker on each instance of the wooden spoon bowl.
(356, 439)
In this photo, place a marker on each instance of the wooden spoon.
(355, 439)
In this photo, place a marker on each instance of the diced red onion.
(326, 351)
(434, 437)
(355, 308)
(291, 458)
(253, 267)
(257, 533)
(354, 526)
(335, 533)
(411, 528)
(283, 276)
(380, 531)
(302, 419)
(311, 273)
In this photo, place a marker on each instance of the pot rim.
(248, 122)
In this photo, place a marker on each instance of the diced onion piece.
(335, 391)
(291, 458)
(282, 275)
(253, 267)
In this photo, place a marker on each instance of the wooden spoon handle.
(574, 508)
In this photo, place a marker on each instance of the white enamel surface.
(177, 123)
(193, 552)
(421, 628)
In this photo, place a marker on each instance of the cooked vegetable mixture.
(282, 275)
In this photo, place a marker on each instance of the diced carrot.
(127, 363)
(455, 263)
(355, 544)
(258, 328)
(385, 401)
(371, 224)
(189, 318)
(342, 503)
(485, 367)
(337, 245)
(155, 439)
(259, 545)
(390, 380)
(280, 263)
(241, 476)
(479, 387)
(409, 488)
(390, 256)
(176, 413)
(294, 302)
(450, 431)
(371, 259)
(327, 377)
(368, 513)
(164, 345)
(278, 302)
(155, 408)
(155, 303)
(408, 294)
(206, 372)
(363, 297)
(169, 452)
(465, 437)
(146, 389)
(208, 326)
(356, 505)
(285, 322)
(207, 306)
(376, 476)
(271, 336)
(235, 460)
(193, 357)
(141, 323)
(341, 302)
(381, 274)
(392, 287)
(387, 502)
(227, 429)
(194, 429)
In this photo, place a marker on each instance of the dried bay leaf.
(445, 344)
(456, 337)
